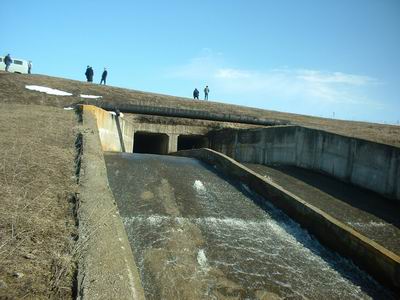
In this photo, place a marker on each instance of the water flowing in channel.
(197, 235)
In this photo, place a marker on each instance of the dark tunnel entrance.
(192, 142)
(147, 142)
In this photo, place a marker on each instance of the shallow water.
(197, 235)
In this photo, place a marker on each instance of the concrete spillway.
(196, 235)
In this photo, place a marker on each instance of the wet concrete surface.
(197, 235)
(372, 215)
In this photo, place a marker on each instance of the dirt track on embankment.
(12, 90)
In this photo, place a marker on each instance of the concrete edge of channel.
(106, 265)
(378, 261)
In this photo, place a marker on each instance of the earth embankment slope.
(12, 90)
(37, 185)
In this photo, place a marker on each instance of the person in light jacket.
(206, 91)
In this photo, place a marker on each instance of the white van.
(17, 66)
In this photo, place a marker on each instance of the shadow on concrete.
(362, 199)
(121, 138)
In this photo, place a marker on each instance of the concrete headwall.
(383, 264)
(172, 131)
(366, 164)
(115, 133)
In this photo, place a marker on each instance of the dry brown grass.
(37, 227)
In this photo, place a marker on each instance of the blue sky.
(318, 58)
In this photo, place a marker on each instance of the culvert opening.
(148, 142)
(186, 142)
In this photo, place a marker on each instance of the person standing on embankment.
(206, 91)
(89, 74)
(196, 94)
(104, 77)
(7, 61)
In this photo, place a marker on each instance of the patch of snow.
(268, 178)
(367, 224)
(121, 115)
(198, 185)
(90, 96)
(47, 90)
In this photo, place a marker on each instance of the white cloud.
(279, 86)
(231, 74)
(334, 77)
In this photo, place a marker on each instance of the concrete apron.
(381, 263)
(106, 266)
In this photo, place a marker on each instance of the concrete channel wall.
(372, 257)
(106, 265)
(366, 164)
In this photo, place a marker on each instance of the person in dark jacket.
(89, 74)
(104, 76)
(7, 61)
(196, 94)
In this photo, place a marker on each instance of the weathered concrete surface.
(115, 133)
(368, 213)
(174, 127)
(366, 164)
(188, 113)
(377, 260)
(197, 235)
(106, 268)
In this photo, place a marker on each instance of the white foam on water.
(47, 90)
(198, 185)
(90, 96)
(152, 220)
(202, 259)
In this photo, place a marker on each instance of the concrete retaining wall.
(366, 164)
(375, 259)
(115, 133)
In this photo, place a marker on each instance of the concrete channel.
(197, 235)
(203, 232)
